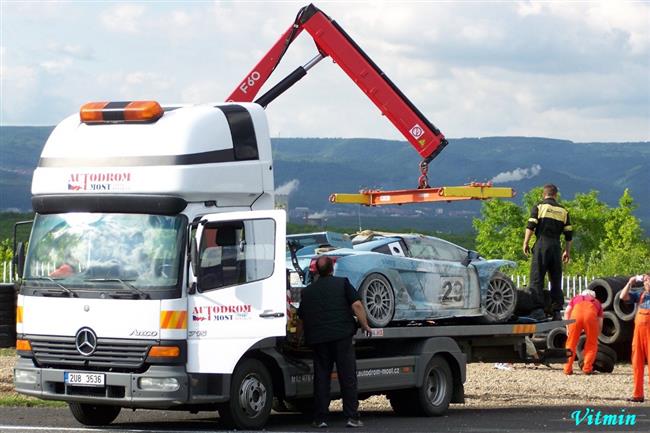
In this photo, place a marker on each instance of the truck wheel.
(378, 300)
(435, 393)
(404, 402)
(95, 415)
(251, 397)
(500, 299)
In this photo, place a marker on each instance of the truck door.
(239, 297)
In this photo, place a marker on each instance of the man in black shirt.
(548, 220)
(326, 308)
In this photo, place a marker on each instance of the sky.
(567, 70)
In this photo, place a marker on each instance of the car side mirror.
(468, 259)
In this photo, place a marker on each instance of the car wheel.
(378, 299)
(501, 299)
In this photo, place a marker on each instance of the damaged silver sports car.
(411, 277)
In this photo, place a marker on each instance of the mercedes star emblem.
(86, 341)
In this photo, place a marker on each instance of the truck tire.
(613, 329)
(500, 299)
(624, 310)
(556, 338)
(603, 362)
(251, 397)
(94, 415)
(434, 396)
(378, 300)
(606, 288)
(404, 402)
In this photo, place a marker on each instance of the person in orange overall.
(641, 339)
(587, 312)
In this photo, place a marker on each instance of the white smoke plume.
(288, 188)
(517, 174)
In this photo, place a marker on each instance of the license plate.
(83, 379)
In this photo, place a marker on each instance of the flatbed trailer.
(420, 368)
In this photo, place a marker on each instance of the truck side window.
(236, 252)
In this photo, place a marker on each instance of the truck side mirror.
(19, 259)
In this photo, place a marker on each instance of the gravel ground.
(487, 386)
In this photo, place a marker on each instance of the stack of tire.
(7, 315)
(618, 318)
(614, 342)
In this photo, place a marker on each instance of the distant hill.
(326, 165)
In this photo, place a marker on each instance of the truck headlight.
(158, 384)
(26, 376)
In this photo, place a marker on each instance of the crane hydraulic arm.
(331, 40)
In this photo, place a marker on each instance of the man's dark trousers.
(547, 257)
(326, 354)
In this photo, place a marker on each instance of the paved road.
(458, 419)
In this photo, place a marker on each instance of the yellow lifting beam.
(473, 191)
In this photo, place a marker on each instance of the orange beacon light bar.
(120, 112)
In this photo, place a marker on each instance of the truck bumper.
(120, 389)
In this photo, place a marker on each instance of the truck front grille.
(111, 354)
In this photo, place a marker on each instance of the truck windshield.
(91, 252)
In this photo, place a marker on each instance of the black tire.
(624, 310)
(434, 396)
(404, 402)
(603, 362)
(500, 300)
(613, 330)
(606, 288)
(556, 338)
(94, 415)
(609, 352)
(378, 299)
(251, 397)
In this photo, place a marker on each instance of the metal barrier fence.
(571, 284)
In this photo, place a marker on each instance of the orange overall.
(585, 314)
(641, 347)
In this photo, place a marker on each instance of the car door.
(238, 283)
(443, 279)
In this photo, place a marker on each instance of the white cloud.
(560, 69)
(55, 66)
(124, 18)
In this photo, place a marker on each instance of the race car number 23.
(452, 291)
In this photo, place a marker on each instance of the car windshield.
(129, 252)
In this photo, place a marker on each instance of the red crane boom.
(331, 40)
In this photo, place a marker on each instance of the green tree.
(607, 241)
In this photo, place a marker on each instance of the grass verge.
(8, 352)
(12, 399)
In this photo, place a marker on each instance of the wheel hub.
(252, 395)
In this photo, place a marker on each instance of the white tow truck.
(155, 278)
